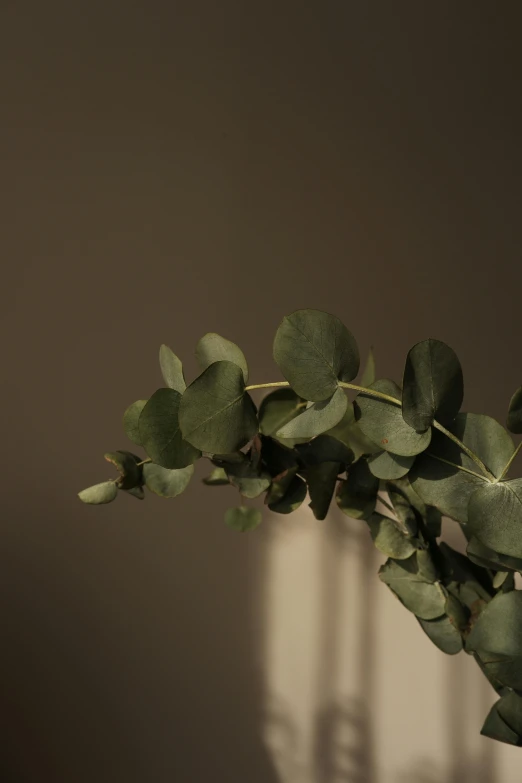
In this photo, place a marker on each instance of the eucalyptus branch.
(300, 443)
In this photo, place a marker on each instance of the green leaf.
(127, 466)
(496, 637)
(386, 465)
(160, 431)
(292, 498)
(214, 348)
(403, 507)
(243, 518)
(247, 480)
(357, 496)
(276, 457)
(388, 538)
(504, 721)
(318, 418)
(277, 409)
(425, 599)
(171, 369)
(321, 480)
(429, 514)
(315, 351)
(131, 419)
(514, 418)
(99, 493)
(443, 634)
(433, 386)
(216, 415)
(495, 516)
(216, 478)
(448, 488)
(368, 374)
(487, 558)
(382, 422)
(349, 433)
(324, 448)
(136, 492)
(164, 482)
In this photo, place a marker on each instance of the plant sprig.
(408, 447)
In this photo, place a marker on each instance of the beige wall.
(174, 168)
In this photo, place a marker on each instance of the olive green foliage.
(396, 457)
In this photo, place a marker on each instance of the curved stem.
(388, 398)
(454, 465)
(511, 460)
(143, 462)
(465, 449)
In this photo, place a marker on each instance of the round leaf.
(496, 637)
(487, 558)
(160, 431)
(368, 374)
(349, 433)
(127, 465)
(99, 493)
(425, 599)
(277, 409)
(318, 418)
(164, 482)
(214, 348)
(388, 538)
(514, 419)
(171, 369)
(443, 634)
(131, 419)
(216, 415)
(448, 488)
(324, 448)
(504, 716)
(433, 386)
(291, 499)
(243, 518)
(389, 466)
(357, 495)
(314, 350)
(495, 517)
(247, 480)
(383, 423)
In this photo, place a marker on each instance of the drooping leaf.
(164, 482)
(388, 538)
(425, 599)
(368, 374)
(495, 517)
(250, 482)
(277, 409)
(496, 637)
(487, 558)
(514, 417)
(315, 351)
(324, 448)
(136, 492)
(171, 369)
(318, 418)
(403, 508)
(99, 493)
(131, 419)
(430, 515)
(243, 518)
(214, 348)
(127, 466)
(464, 579)
(433, 386)
(280, 485)
(160, 431)
(349, 433)
(504, 721)
(276, 457)
(217, 477)
(446, 487)
(382, 422)
(386, 465)
(357, 496)
(216, 414)
(291, 499)
(443, 634)
(321, 480)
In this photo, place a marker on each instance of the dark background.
(169, 169)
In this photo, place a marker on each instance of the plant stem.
(143, 462)
(465, 449)
(511, 460)
(398, 403)
(454, 465)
